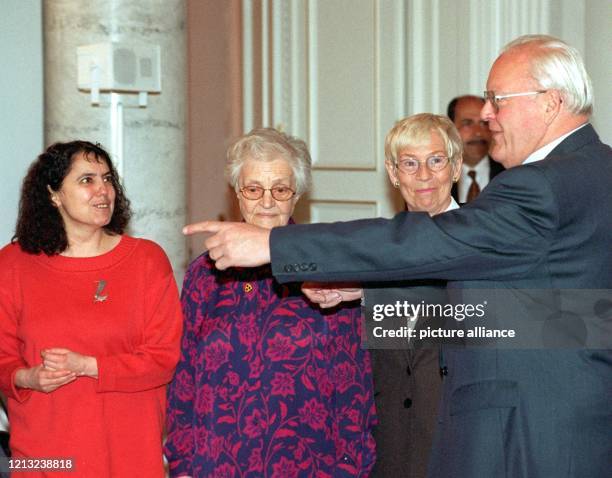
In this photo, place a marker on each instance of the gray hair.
(267, 144)
(417, 129)
(559, 66)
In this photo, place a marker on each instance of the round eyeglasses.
(280, 193)
(411, 165)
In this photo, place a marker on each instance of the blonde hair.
(417, 129)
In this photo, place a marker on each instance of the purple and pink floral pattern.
(267, 385)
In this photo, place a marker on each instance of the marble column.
(154, 138)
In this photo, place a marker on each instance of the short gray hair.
(417, 130)
(267, 144)
(558, 66)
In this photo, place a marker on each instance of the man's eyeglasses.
(411, 165)
(495, 99)
(280, 193)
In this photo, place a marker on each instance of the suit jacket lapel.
(575, 141)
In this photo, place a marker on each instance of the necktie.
(474, 188)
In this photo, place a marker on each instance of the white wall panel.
(248, 73)
(343, 83)
(423, 56)
(345, 211)
(598, 57)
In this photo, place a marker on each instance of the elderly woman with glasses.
(423, 158)
(267, 384)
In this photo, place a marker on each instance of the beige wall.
(214, 107)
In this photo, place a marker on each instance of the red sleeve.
(10, 356)
(151, 364)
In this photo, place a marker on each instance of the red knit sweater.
(111, 426)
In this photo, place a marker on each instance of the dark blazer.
(545, 225)
(494, 169)
(407, 385)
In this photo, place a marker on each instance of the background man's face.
(474, 131)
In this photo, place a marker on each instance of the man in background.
(478, 168)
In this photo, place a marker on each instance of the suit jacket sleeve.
(501, 234)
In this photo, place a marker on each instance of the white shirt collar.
(483, 173)
(544, 151)
(482, 168)
(453, 205)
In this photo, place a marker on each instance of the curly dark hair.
(40, 227)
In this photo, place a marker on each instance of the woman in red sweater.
(90, 325)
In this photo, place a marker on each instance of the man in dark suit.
(477, 168)
(545, 223)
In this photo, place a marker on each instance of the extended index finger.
(204, 226)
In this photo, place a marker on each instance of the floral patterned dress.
(267, 385)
